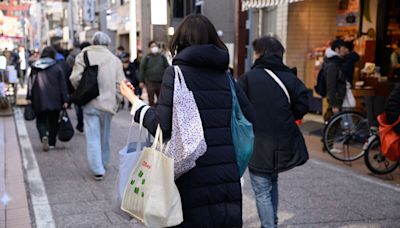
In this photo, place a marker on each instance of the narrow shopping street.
(317, 194)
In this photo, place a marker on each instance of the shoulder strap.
(279, 82)
(85, 58)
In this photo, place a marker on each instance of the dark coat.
(392, 107)
(152, 68)
(130, 74)
(335, 79)
(48, 89)
(211, 192)
(349, 63)
(277, 137)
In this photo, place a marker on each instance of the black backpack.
(88, 88)
(320, 87)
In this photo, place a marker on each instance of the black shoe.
(98, 177)
(80, 129)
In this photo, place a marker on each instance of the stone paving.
(315, 195)
(14, 210)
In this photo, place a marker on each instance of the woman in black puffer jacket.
(211, 192)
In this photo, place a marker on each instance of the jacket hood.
(273, 63)
(207, 56)
(43, 63)
(329, 53)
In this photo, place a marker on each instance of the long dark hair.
(195, 29)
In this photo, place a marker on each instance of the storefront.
(374, 25)
(307, 27)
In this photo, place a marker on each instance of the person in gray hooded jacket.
(47, 91)
(335, 79)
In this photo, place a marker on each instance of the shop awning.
(258, 4)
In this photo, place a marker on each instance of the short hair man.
(335, 79)
(152, 70)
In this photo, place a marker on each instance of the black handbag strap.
(85, 58)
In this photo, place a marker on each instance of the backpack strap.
(279, 82)
(85, 58)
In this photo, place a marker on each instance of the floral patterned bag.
(187, 142)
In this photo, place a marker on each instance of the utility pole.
(240, 39)
(103, 15)
(133, 29)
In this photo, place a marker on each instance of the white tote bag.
(349, 101)
(151, 195)
(128, 157)
(187, 141)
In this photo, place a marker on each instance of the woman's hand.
(128, 91)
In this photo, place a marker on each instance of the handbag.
(128, 157)
(390, 140)
(88, 88)
(187, 141)
(151, 195)
(242, 132)
(29, 113)
(65, 128)
(349, 101)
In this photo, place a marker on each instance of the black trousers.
(47, 125)
(79, 116)
(153, 88)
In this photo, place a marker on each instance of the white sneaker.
(336, 150)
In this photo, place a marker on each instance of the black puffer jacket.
(211, 192)
(278, 141)
(47, 86)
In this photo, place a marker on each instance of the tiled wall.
(311, 23)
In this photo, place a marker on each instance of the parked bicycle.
(374, 159)
(345, 134)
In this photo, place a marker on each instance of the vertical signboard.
(89, 10)
(158, 12)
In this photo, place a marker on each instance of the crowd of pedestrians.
(270, 95)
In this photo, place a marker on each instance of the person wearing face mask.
(151, 71)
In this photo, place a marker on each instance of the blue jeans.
(265, 187)
(97, 131)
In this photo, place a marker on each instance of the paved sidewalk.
(315, 195)
(14, 211)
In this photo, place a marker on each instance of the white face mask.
(154, 50)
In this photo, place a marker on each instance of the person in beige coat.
(98, 112)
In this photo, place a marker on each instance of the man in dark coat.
(47, 91)
(278, 143)
(151, 71)
(335, 79)
(349, 62)
(71, 62)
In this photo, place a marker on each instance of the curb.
(39, 201)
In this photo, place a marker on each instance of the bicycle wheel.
(345, 135)
(375, 161)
